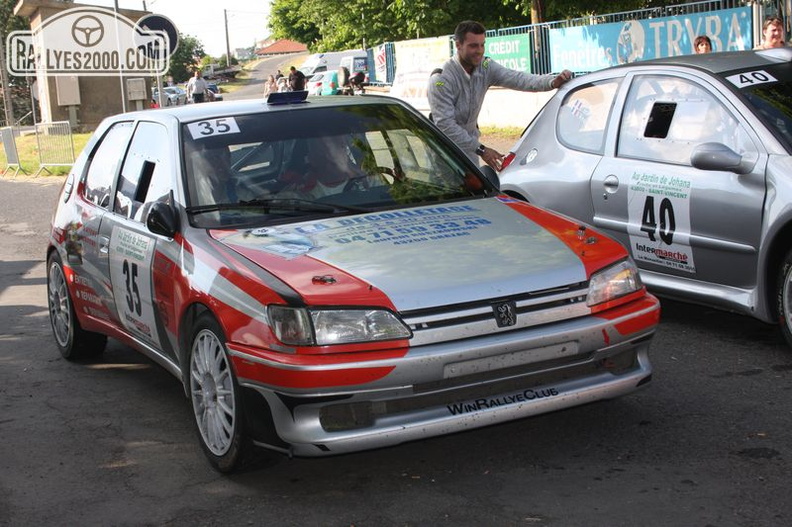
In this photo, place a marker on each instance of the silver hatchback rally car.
(318, 274)
(688, 162)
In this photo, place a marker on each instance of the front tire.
(784, 297)
(72, 340)
(216, 398)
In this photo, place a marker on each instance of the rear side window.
(583, 117)
(666, 117)
(104, 162)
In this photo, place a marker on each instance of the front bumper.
(447, 387)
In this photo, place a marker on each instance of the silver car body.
(561, 319)
(671, 158)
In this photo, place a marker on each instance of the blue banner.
(590, 48)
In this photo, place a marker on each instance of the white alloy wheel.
(212, 392)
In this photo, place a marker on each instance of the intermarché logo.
(88, 41)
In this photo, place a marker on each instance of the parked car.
(314, 86)
(334, 275)
(215, 93)
(330, 85)
(686, 161)
(173, 96)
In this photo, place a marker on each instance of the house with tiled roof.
(280, 47)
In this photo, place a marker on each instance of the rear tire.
(784, 297)
(72, 340)
(216, 398)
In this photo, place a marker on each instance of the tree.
(184, 60)
(288, 20)
(547, 11)
(18, 88)
(322, 26)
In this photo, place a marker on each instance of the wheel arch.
(516, 195)
(779, 246)
(188, 319)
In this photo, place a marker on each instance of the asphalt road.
(111, 442)
(254, 88)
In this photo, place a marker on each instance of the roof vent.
(287, 97)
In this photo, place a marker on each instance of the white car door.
(137, 258)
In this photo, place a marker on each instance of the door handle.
(104, 245)
(611, 184)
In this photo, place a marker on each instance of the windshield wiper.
(278, 205)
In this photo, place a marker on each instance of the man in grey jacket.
(457, 93)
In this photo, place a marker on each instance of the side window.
(583, 117)
(104, 162)
(146, 173)
(666, 117)
(402, 153)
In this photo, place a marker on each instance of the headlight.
(320, 327)
(613, 282)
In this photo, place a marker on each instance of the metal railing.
(540, 33)
(55, 145)
(8, 136)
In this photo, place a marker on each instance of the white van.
(314, 64)
(356, 63)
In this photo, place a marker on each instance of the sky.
(247, 19)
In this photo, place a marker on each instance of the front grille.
(456, 321)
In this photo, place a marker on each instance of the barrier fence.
(9, 147)
(539, 58)
(55, 145)
(540, 34)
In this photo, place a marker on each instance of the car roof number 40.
(750, 78)
(212, 127)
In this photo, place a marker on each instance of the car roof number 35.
(212, 127)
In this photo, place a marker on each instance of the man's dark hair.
(468, 26)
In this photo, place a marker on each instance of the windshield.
(772, 101)
(271, 167)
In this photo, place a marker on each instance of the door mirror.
(162, 220)
(717, 156)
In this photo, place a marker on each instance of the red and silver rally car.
(333, 275)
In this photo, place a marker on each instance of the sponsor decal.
(282, 241)
(488, 403)
(131, 255)
(89, 41)
(399, 227)
(404, 227)
(659, 220)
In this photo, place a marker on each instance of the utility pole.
(7, 105)
(228, 46)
